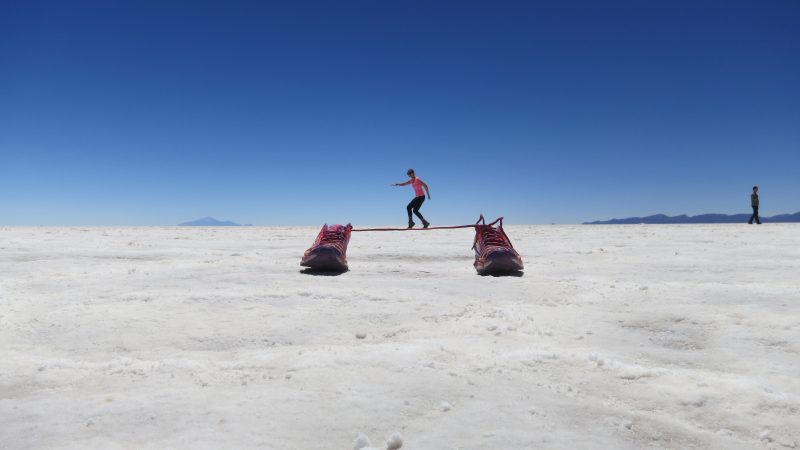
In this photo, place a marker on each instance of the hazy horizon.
(245, 223)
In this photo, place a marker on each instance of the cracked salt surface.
(617, 337)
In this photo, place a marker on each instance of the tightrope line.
(414, 229)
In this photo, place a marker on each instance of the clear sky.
(271, 113)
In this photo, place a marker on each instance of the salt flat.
(615, 337)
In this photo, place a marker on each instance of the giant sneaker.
(493, 250)
(329, 251)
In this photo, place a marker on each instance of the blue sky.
(291, 113)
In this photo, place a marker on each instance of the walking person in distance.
(754, 204)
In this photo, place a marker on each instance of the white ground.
(616, 337)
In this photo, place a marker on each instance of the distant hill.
(703, 218)
(209, 222)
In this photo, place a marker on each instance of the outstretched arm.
(426, 189)
(402, 184)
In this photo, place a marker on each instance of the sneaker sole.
(499, 263)
(325, 259)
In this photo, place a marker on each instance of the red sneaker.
(493, 250)
(329, 251)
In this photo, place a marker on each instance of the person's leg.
(409, 207)
(755, 214)
(752, 216)
(419, 201)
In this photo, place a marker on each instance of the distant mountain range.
(211, 222)
(703, 218)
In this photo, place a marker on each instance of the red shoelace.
(335, 237)
(491, 236)
(332, 237)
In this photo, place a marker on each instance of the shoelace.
(332, 237)
(493, 238)
(336, 238)
(490, 236)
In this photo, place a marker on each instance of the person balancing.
(416, 203)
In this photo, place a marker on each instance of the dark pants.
(414, 205)
(752, 218)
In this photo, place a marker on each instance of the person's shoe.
(749, 223)
(493, 250)
(411, 224)
(425, 224)
(329, 251)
